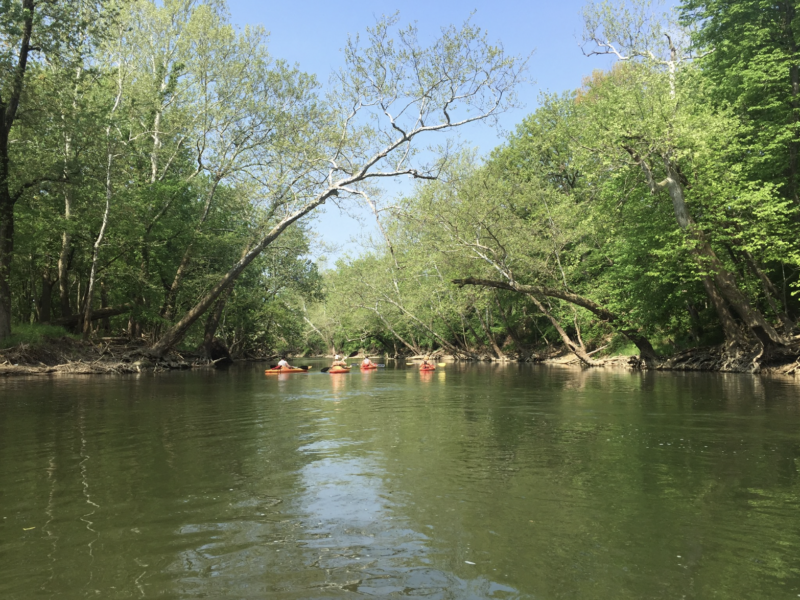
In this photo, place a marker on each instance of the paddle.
(304, 367)
(373, 364)
(351, 355)
(437, 364)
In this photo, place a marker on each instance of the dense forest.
(650, 211)
(157, 163)
(158, 168)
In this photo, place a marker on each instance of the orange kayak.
(279, 371)
(334, 370)
(427, 368)
(369, 368)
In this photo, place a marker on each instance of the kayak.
(277, 371)
(369, 368)
(427, 368)
(334, 370)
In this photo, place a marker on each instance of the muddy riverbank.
(67, 355)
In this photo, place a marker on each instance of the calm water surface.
(476, 481)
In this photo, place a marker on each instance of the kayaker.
(338, 362)
(367, 362)
(282, 364)
(426, 362)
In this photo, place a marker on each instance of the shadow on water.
(473, 481)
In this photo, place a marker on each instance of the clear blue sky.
(312, 34)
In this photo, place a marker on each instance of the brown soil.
(78, 357)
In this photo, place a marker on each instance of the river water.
(476, 481)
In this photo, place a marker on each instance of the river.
(476, 481)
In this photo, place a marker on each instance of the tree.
(751, 55)
(31, 33)
(390, 94)
(653, 109)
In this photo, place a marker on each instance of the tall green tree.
(656, 110)
(391, 94)
(751, 53)
(31, 33)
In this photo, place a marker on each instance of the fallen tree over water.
(646, 351)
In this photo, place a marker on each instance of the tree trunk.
(734, 336)
(497, 351)
(45, 300)
(646, 350)
(511, 330)
(771, 293)
(694, 320)
(105, 324)
(172, 292)
(8, 113)
(572, 346)
(794, 80)
(473, 332)
(212, 323)
(723, 281)
(6, 252)
(169, 301)
(87, 315)
(63, 260)
(415, 350)
(177, 332)
(102, 313)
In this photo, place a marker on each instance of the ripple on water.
(480, 481)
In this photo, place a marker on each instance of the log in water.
(475, 481)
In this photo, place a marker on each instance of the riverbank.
(704, 359)
(108, 356)
(68, 355)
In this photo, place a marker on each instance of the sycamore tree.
(652, 113)
(393, 93)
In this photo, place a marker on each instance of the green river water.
(476, 481)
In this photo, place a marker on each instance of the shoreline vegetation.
(159, 169)
(70, 355)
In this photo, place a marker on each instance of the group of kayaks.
(333, 370)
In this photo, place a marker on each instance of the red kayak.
(334, 370)
(424, 368)
(369, 368)
(278, 371)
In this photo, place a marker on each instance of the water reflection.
(478, 481)
(361, 538)
(339, 383)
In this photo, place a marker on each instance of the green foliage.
(35, 334)
(571, 204)
(752, 59)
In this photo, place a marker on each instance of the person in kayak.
(367, 362)
(338, 362)
(426, 361)
(282, 364)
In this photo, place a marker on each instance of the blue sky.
(312, 34)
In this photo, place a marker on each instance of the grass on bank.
(34, 334)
